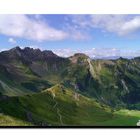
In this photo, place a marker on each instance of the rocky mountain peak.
(49, 53)
(79, 58)
(80, 55)
(27, 54)
(15, 49)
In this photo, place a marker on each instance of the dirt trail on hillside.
(58, 110)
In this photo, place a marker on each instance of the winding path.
(58, 110)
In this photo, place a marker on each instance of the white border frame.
(69, 6)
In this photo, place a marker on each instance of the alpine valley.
(39, 88)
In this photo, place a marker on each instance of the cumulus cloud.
(99, 53)
(131, 26)
(93, 53)
(130, 53)
(3, 49)
(119, 24)
(77, 27)
(24, 27)
(102, 52)
(65, 52)
(36, 28)
(12, 40)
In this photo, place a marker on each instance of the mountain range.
(39, 88)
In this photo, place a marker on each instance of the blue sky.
(95, 35)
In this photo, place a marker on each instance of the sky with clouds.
(95, 35)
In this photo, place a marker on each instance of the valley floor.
(54, 107)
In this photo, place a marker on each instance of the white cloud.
(3, 49)
(93, 53)
(36, 28)
(130, 53)
(77, 27)
(75, 32)
(102, 52)
(12, 40)
(99, 53)
(65, 52)
(131, 26)
(24, 27)
(119, 24)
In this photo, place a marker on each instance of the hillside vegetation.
(39, 88)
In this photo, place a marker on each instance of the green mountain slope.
(113, 82)
(59, 106)
(11, 121)
(41, 88)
